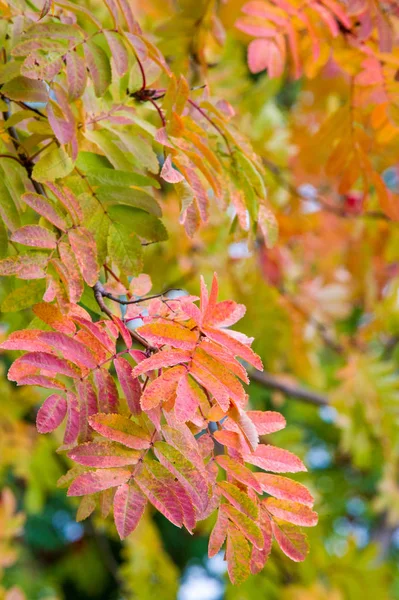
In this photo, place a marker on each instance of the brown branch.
(300, 393)
(99, 294)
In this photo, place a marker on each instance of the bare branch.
(300, 393)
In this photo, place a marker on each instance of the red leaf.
(44, 360)
(121, 429)
(70, 348)
(96, 481)
(73, 419)
(123, 330)
(160, 496)
(84, 246)
(51, 413)
(35, 236)
(160, 360)
(108, 399)
(68, 201)
(129, 384)
(103, 455)
(129, 505)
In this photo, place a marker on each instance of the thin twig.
(300, 393)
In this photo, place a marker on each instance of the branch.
(300, 393)
(99, 294)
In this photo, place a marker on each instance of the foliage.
(160, 142)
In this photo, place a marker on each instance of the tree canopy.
(169, 169)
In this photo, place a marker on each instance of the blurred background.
(323, 306)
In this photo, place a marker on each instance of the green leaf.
(54, 164)
(8, 210)
(24, 297)
(129, 197)
(27, 90)
(125, 249)
(89, 161)
(146, 226)
(107, 143)
(3, 240)
(116, 178)
(9, 71)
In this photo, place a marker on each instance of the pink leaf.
(51, 315)
(44, 360)
(73, 419)
(218, 534)
(123, 330)
(129, 384)
(118, 51)
(162, 359)
(27, 339)
(169, 173)
(293, 512)
(84, 246)
(121, 429)
(43, 207)
(162, 388)
(35, 236)
(108, 399)
(186, 399)
(267, 421)
(71, 349)
(160, 496)
(96, 481)
(103, 455)
(129, 505)
(291, 540)
(51, 413)
(234, 346)
(239, 472)
(284, 488)
(275, 459)
(76, 74)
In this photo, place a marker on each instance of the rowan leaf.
(35, 236)
(53, 164)
(162, 389)
(239, 472)
(99, 67)
(71, 349)
(103, 455)
(121, 429)
(237, 556)
(84, 247)
(108, 399)
(160, 360)
(46, 361)
(129, 384)
(129, 505)
(277, 460)
(239, 499)
(245, 524)
(43, 207)
(267, 421)
(160, 496)
(162, 332)
(51, 413)
(293, 512)
(291, 540)
(218, 534)
(285, 489)
(97, 481)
